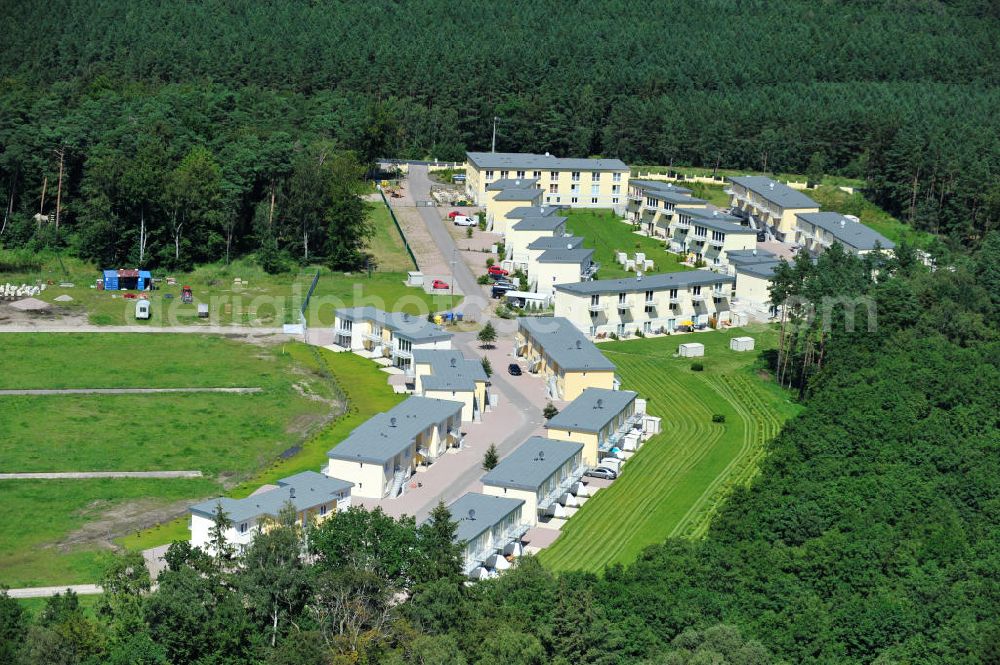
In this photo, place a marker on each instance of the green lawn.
(266, 300)
(387, 243)
(606, 234)
(367, 393)
(34, 606)
(675, 483)
(695, 171)
(56, 532)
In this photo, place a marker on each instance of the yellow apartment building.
(770, 203)
(558, 351)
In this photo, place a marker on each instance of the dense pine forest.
(870, 536)
(191, 132)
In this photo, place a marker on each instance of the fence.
(305, 305)
(399, 228)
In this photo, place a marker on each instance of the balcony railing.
(474, 559)
(615, 437)
(699, 236)
(680, 224)
(373, 336)
(624, 305)
(574, 477)
(650, 302)
(674, 300)
(716, 243)
(697, 297)
(590, 270)
(598, 306)
(342, 332)
(401, 353)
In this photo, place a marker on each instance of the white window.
(615, 200)
(243, 527)
(554, 175)
(520, 174)
(576, 176)
(595, 300)
(553, 189)
(595, 190)
(595, 176)
(322, 510)
(594, 200)
(673, 293)
(616, 177)
(718, 236)
(621, 298)
(651, 202)
(574, 189)
(621, 329)
(504, 174)
(489, 175)
(615, 189)
(696, 290)
(536, 174)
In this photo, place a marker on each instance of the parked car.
(462, 220)
(439, 284)
(453, 214)
(514, 369)
(505, 284)
(497, 271)
(601, 472)
(500, 290)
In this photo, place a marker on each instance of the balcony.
(650, 302)
(342, 332)
(590, 270)
(598, 306)
(373, 336)
(700, 237)
(682, 225)
(624, 305)
(697, 297)
(574, 477)
(716, 243)
(615, 437)
(674, 300)
(401, 353)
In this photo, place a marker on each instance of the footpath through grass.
(59, 531)
(676, 482)
(605, 233)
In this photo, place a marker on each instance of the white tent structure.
(691, 350)
(741, 344)
(556, 510)
(580, 490)
(513, 548)
(497, 562)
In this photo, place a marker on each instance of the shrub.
(718, 417)
(483, 279)
(639, 333)
(550, 411)
(697, 367)
(468, 231)
(614, 336)
(490, 261)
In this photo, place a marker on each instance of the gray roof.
(592, 410)
(515, 183)
(740, 257)
(310, 489)
(565, 344)
(526, 161)
(550, 223)
(847, 231)
(780, 194)
(715, 220)
(449, 370)
(654, 282)
(524, 194)
(674, 197)
(534, 211)
(406, 326)
(556, 242)
(385, 435)
(563, 255)
(477, 513)
(534, 461)
(764, 270)
(660, 185)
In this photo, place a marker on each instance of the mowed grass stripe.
(676, 483)
(658, 472)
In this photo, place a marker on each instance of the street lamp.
(453, 273)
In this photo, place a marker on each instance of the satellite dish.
(392, 421)
(579, 344)
(291, 492)
(454, 362)
(472, 513)
(600, 403)
(541, 454)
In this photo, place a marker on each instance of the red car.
(439, 284)
(453, 214)
(497, 271)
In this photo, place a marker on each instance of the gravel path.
(124, 391)
(47, 591)
(82, 475)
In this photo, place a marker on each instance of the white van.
(463, 220)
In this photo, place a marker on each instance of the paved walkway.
(85, 475)
(124, 391)
(46, 591)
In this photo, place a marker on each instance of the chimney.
(472, 514)
(454, 362)
(843, 222)
(392, 421)
(600, 403)
(579, 344)
(291, 492)
(771, 185)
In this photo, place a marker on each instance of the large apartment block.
(448, 375)
(579, 183)
(645, 303)
(769, 204)
(708, 235)
(489, 527)
(651, 204)
(558, 351)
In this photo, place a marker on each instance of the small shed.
(129, 279)
(142, 309)
(741, 344)
(691, 350)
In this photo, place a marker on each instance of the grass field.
(606, 234)
(367, 394)
(387, 244)
(675, 483)
(56, 532)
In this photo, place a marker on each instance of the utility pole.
(494, 145)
